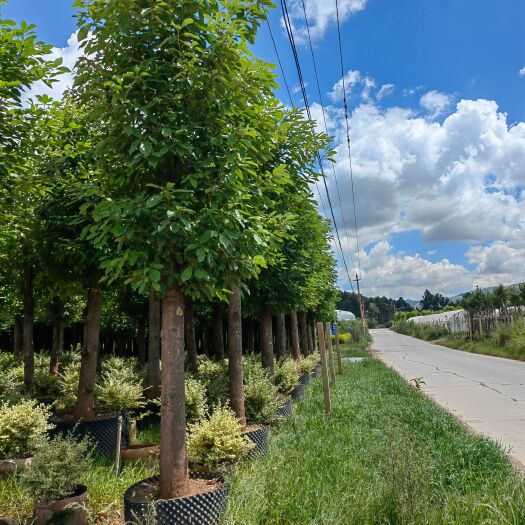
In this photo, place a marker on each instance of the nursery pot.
(101, 430)
(67, 511)
(200, 509)
(286, 408)
(298, 392)
(305, 379)
(259, 436)
(10, 465)
(148, 453)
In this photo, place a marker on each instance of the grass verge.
(386, 455)
(356, 348)
(483, 346)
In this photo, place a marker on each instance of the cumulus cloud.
(384, 91)
(435, 102)
(321, 15)
(521, 72)
(457, 179)
(355, 83)
(69, 56)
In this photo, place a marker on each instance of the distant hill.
(457, 298)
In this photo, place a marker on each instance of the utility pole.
(361, 305)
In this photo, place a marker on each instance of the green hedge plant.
(57, 468)
(286, 375)
(23, 427)
(217, 441)
(119, 386)
(261, 400)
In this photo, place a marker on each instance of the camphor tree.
(23, 61)
(278, 289)
(186, 118)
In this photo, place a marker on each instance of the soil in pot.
(67, 511)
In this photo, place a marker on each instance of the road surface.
(487, 393)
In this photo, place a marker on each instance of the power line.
(326, 128)
(293, 105)
(289, 31)
(279, 61)
(347, 131)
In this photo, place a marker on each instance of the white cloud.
(521, 72)
(355, 83)
(321, 15)
(458, 179)
(69, 55)
(384, 91)
(436, 102)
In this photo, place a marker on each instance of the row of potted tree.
(169, 169)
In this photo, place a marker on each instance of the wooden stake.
(338, 349)
(330, 353)
(324, 370)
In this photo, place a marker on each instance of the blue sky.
(437, 125)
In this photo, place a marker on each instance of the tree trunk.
(217, 341)
(294, 329)
(189, 335)
(206, 341)
(57, 346)
(250, 336)
(280, 336)
(28, 328)
(88, 363)
(141, 339)
(267, 340)
(17, 339)
(310, 338)
(235, 354)
(153, 391)
(303, 333)
(173, 457)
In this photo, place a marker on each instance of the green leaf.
(83, 33)
(186, 274)
(187, 22)
(153, 200)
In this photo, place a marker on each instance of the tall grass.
(386, 455)
(428, 332)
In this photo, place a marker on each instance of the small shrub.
(22, 428)
(304, 365)
(119, 386)
(343, 338)
(46, 385)
(260, 394)
(217, 440)
(68, 388)
(11, 386)
(286, 375)
(195, 393)
(214, 375)
(57, 468)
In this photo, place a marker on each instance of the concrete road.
(487, 393)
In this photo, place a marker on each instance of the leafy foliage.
(217, 440)
(195, 393)
(214, 375)
(286, 374)
(119, 385)
(261, 400)
(57, 468)
(22, 428)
